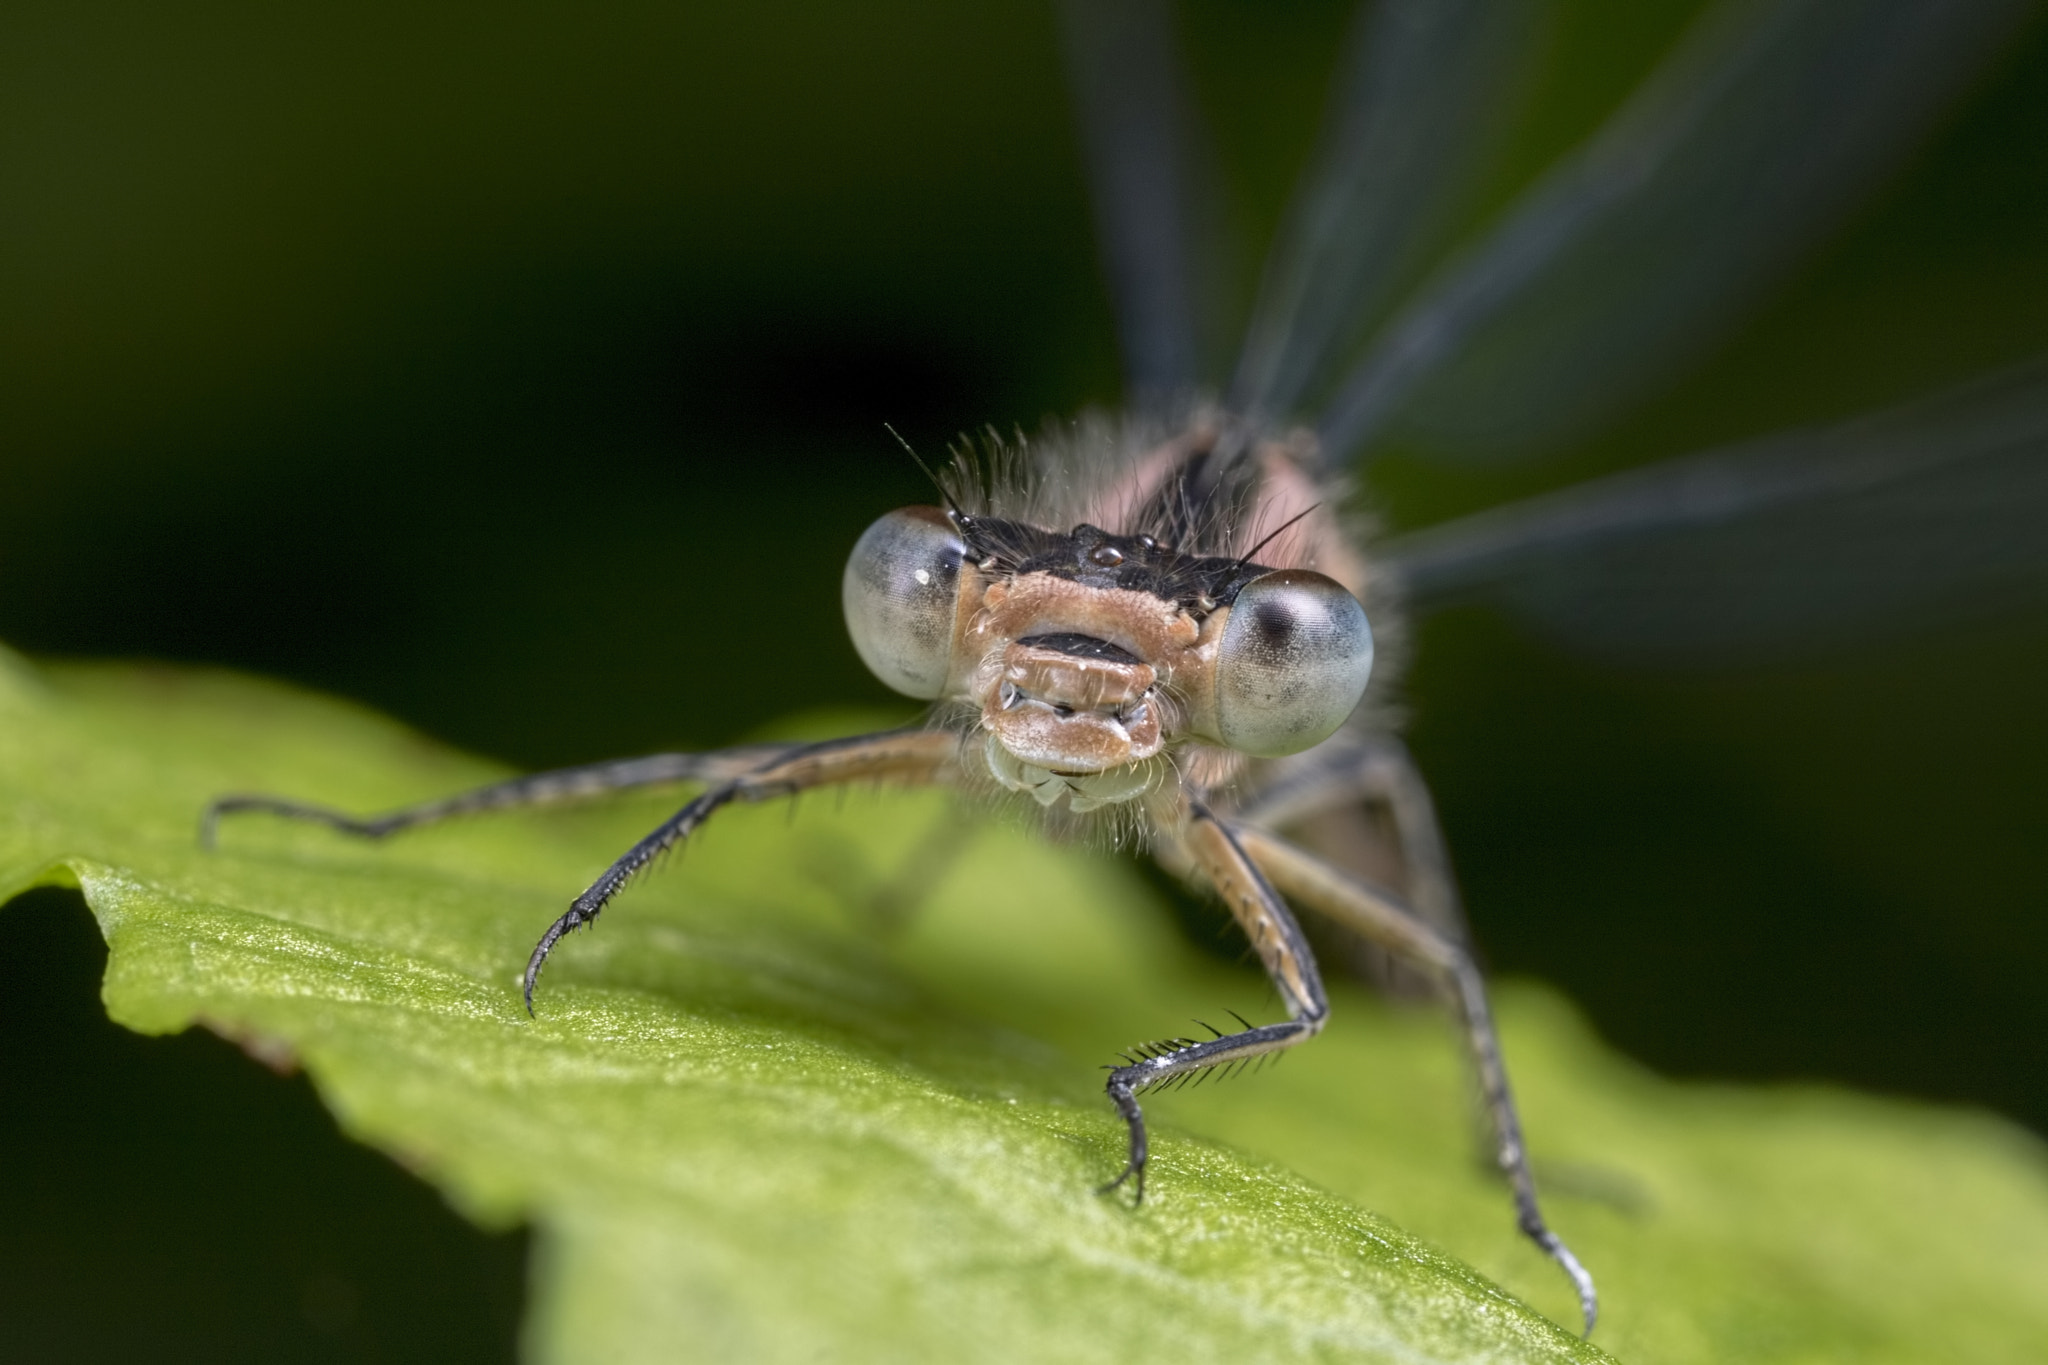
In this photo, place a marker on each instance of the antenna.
(1247, 556)
(917, 460)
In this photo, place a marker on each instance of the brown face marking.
(1070, 680)
(1070, 714)
(1064, 712)
(1155, 630)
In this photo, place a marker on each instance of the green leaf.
(749, 1125)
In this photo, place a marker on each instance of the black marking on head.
(1212, 490)
(1200, 506)
(1095, 558)
(1081, 647)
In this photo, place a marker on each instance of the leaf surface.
(750, 1125)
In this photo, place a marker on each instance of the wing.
(1419, 91)
(1931, 513)
(1138, 134)
(1766, 122)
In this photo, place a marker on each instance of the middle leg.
(1410, 938)
(1374, 771)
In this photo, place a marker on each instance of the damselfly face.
(1092, 664)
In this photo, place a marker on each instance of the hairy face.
(1089, 660)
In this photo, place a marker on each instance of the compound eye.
(899, 591)
(1295, 656)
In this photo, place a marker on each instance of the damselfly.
(1171, 625)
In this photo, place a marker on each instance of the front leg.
(913, 757)
(1211, 846)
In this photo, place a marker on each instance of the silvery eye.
(899, 592)
(1294, 660)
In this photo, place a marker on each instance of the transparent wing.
(1148, 186)
(1421, 86)
(1750, 140)
(1927, 514)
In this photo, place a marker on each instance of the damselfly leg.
(1210, 846)
(1372, 770)
(911, 757)
(554, 787)
(751, 773)
(1359, 802)
(1376, 916)
(1252, 869)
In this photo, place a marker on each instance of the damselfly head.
(1087, 657)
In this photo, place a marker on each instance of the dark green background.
(521, 370)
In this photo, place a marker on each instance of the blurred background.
(521, 370)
